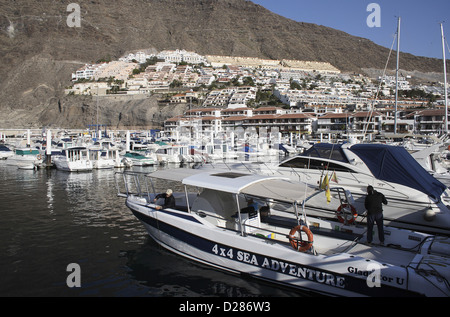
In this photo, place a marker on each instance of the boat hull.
(75, 166)
(335, 275)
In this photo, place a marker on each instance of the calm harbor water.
(51, 218)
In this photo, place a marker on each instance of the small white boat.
(168, 154)
(5, 152)
(101, 158)
(74, 159)
(279, 242)
(138, 158)
(25, 158)
(114, 153)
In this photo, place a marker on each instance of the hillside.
(39, 51)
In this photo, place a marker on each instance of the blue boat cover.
(395, 164)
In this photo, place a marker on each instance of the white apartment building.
(137, 82)
(241, 95)
(235, 97)
(140, 57)
(389, 81)
(299, 98)
(179, 56)
(218, 120)
(205, 80)
(86, 72)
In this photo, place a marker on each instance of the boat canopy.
(395, 164)
(270, 187)
(27, 151)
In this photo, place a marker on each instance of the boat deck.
(383, 254)
(328, 241)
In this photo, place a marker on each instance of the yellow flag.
(326, 187)
(328, 195)
(325, 182)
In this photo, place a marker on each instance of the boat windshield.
(311, 163)
(327, 151)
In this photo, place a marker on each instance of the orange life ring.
(39, 157)
(301, 246)
(340, 212)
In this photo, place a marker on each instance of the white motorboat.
(280, 243)
(219, 151)
(5, 152)
(102, 158)
(73, 159)
(114, 153)
(415, 198)
(432, 161)
(25, 158)
(168, 154)
(139, 158)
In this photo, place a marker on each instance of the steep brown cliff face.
(39, 51)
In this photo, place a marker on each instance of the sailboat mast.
(396, 76)
(445, 81)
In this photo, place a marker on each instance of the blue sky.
(420, 20)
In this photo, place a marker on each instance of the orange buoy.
(298, 244)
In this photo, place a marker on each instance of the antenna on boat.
(396, 75)
(445, 80)
(369, 115)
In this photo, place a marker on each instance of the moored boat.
(25, 158)
(73, 159)
(101, 158)
(278, 241)
(138, 158)
(5, 152)
(416, 200)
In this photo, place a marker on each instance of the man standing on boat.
(374, 205)
(169, 200)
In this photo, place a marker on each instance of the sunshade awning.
(269, 187)
(174, 174)
(280, 190)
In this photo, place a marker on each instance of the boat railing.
(133, 183)
(249, 228)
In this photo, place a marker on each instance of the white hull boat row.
(279, 242)
(416, 200)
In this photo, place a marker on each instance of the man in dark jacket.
(169, 200)
(374, 205)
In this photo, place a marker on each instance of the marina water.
(51, 218)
